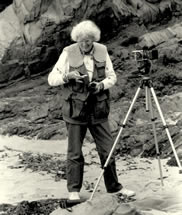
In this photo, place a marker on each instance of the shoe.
(74, 196)
(126, 192)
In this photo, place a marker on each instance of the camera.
(145, 54)
(92, 86)
(143, 58)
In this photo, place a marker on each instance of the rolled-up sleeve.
(111, 77)
(59, 71)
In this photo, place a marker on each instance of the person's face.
(85, 43)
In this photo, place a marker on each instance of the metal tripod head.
(146, 82)
(144, 69)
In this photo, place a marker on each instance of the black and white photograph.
(91, 107)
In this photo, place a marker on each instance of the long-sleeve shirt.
(61, 69)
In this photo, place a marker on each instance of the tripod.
(147, 83)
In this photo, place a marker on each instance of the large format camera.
(145, 54)
(143, 57)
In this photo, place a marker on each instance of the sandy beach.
(18, 183)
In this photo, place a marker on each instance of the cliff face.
(33, 33)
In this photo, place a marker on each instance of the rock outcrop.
(36, 31)
(33, 34)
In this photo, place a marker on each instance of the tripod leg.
(115, 142)
(147, 98)
(155, 136)
(166, 128)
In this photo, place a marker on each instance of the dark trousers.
(75, 160)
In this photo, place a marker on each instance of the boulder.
(35, 16)
(104, 205)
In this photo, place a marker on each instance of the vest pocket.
(66, 108)
(78, 109)
(78, 87)
(100, 70)
(102, 107)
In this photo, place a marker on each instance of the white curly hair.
(84, 29)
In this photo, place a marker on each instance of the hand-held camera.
(92, 86)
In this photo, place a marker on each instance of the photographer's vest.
(80, 106)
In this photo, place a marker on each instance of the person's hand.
(75, 75)
(96, 87)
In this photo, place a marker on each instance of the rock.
(53, 132)
(113, 125)
(38, 113)
(127, 209)
(153, 1)
(172, 161)
(38, 30)
(104, 205)
(10, 71)
(172, 103)
(4, 4)
(34, 16)
(156, 38)
(10, 29)
(33, 108)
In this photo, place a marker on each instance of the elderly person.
(86, 72)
